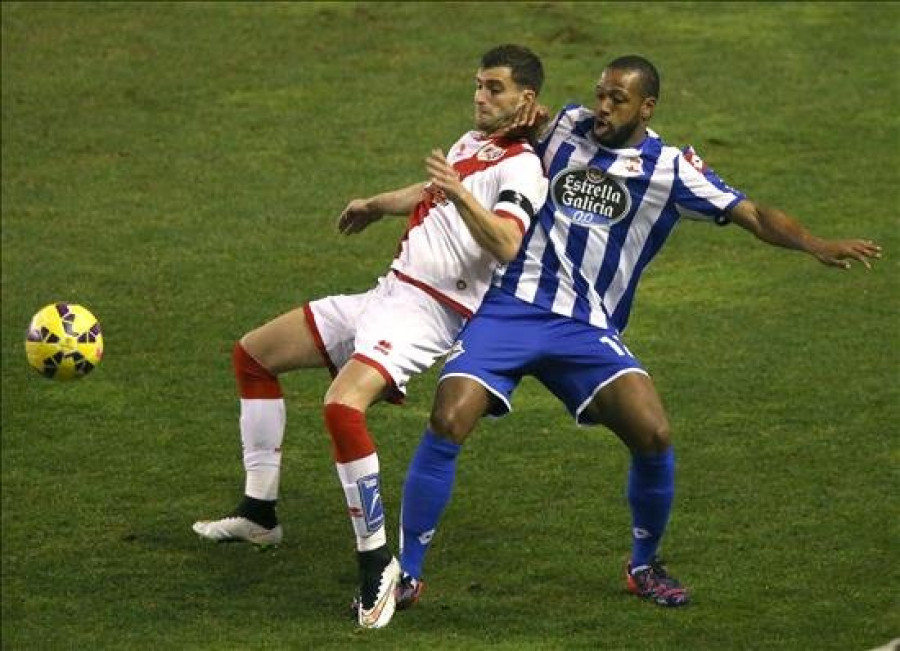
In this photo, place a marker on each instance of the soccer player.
(558, 311)
(465, 221)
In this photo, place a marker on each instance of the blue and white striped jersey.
(607, 214)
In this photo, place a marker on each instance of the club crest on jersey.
(489, 153)
(694, 159)
(590, 197)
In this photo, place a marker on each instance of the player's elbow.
(507, 248)
(506, 253)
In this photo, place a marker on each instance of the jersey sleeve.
(699, 192)
(543, 138)
(522, 188)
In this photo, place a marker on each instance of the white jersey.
(607, 214)
(437, 253)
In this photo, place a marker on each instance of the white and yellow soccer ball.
(64, 341)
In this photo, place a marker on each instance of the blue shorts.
(508, 339)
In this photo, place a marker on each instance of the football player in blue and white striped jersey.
(616, 192)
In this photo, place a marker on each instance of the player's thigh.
(285, 343)
(458, 405)
(580, 360)
(357, 385)
(631, 407)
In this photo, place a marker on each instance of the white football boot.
(238, 529)
(377, 599)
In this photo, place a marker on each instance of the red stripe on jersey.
(317, 339)
(416, 217)
(508, 215)
(469, 166)
(435, 294)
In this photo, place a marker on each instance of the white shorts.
(396, 328)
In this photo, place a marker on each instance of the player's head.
(626, 93)
(509, 77)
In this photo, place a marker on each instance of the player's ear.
(647, 107)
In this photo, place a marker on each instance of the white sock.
(362, 488)
(262, 431)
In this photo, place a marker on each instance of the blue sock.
(651, 488)
(426, 493)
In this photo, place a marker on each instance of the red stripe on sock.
(253, 379)
(349, 436)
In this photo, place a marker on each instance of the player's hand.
(443, 177)
(839, 253)
(527, 122)
(357, 216)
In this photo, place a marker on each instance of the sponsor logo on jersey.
(490, 152)
(370, 497)
(589, 197)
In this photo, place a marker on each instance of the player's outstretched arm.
(360, 213)
(777, 228)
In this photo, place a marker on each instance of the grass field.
(178, 168)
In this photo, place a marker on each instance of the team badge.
(490, 153)
(696, 162)
(590, 197)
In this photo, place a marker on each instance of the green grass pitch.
(178, 168)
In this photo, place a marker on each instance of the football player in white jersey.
(464, 222)
(616, 191)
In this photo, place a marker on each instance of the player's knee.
(655, 437)
(253, 379)
(450, 422)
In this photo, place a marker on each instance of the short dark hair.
(525, 66)
(646, 70)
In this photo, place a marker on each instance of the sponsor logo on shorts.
(590, 197)
(455, 350)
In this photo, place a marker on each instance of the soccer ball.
(64, 341)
